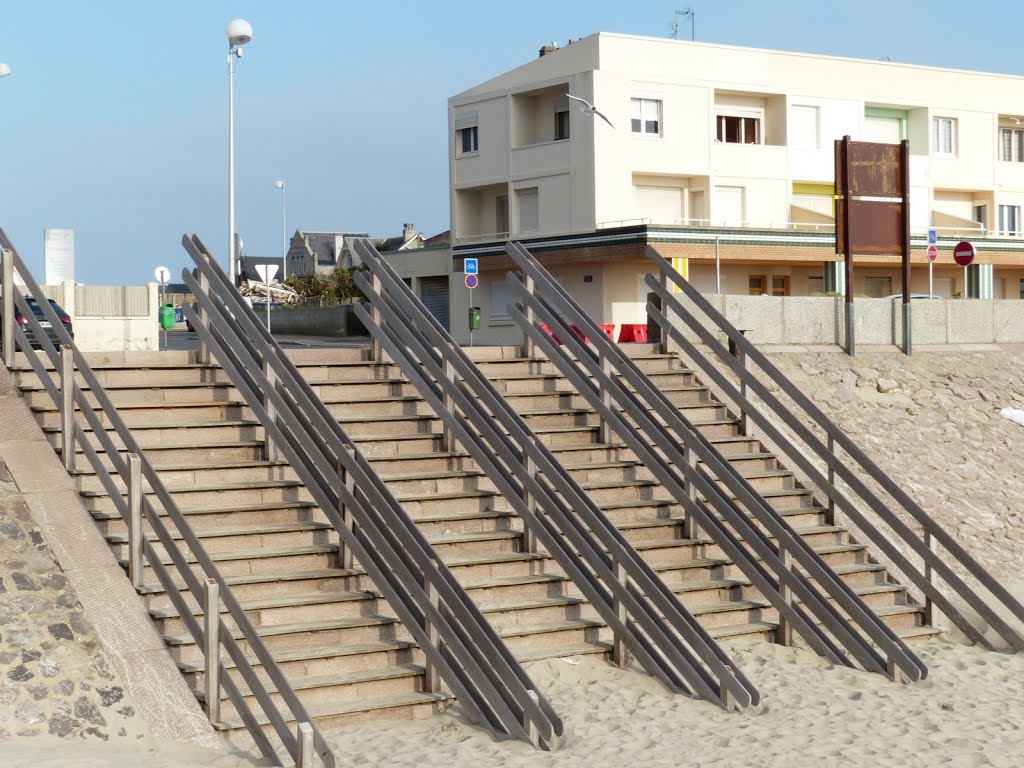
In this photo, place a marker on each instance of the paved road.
(181, 340)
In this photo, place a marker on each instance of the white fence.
(111, 317)
(821, 320)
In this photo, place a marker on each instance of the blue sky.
(114, 120)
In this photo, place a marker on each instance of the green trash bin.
(167, 316)
(474, 318)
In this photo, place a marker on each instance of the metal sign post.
(162, 274)
(933, 254)
(471, 267)
(963, 254)
(872, 189)
(267, 273)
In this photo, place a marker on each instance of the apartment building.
(722, 158)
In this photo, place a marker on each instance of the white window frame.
(744, 119)
(641, 111)
(559, 111)
(1011, 145)
(944, 136)
(1009, 220)
(461, 136)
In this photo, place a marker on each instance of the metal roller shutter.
(434, 295)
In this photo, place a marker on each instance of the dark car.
(44, 321)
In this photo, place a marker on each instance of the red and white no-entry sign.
(472, 281)
(963, 253)
(933, 253)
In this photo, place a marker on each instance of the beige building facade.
(723, 158)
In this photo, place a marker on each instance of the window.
(739, 130)
(877, 287)
(780, 285)
(981, 214)
(1009, 219)
(1011, 145)
(944, 135)
(468, 142)
(803, 128)
(501, 214)
(529, 209)
(755, 285)
(815, 285)
(501, 300)
(561, 123)
(646, 116)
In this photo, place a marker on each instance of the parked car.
(37, 310)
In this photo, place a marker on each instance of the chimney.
(546, 49)
(408, 232)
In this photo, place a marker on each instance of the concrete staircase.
(345, 652)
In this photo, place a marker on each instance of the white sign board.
(267, 272)
(58, 256)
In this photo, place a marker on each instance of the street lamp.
(279, 184)
(239, 33)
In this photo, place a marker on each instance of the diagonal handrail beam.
(920, 546)
(899, 659)
(540, 475)
(472, 659)
(151, 555)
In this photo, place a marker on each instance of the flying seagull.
(589, 109)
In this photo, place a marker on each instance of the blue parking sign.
(471, 267)
(931, 237)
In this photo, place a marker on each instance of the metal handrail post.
(67, 406)
(304, 738)
(469, 641)
(7, 286)
(270, 451)
(136, 536)
(844, 470)
(211, 650)
(531, 348)
(830, 514)
(375, 348)
(345, 557)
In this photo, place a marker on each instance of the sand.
(968, 712)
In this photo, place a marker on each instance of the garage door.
(434, 295)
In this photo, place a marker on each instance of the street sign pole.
(162, 274)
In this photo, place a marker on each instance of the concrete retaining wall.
(316, 321)
(821, 320)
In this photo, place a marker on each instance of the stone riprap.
(932, 422)
(55, 676)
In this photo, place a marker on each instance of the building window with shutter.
(645, 117)
(467, 140)
(944, 135)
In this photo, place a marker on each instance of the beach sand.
(969, 711)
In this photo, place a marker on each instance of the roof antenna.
(688, 13)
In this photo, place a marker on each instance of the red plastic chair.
(609, 329)
(544, 327)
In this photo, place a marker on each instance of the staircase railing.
(645, 617)
(752, 369)
(460, 647)
(209, 590)
(687, 464)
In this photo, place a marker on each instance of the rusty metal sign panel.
(876, 227)
(874, 169)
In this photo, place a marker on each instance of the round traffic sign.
(472, 281)
(933, 253)
(963, 253)
(162, 274)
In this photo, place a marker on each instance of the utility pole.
(688, 13)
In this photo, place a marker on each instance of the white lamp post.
(239, 33)
(279, 184)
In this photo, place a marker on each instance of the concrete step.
(182, 434)
(155, 414)
(208, 516)
(252, 538)
(215, 495)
